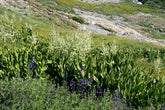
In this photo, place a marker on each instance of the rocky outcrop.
(99, 24)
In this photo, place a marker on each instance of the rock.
(161, 29)
(137, 2)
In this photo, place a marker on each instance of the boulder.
(137, 2)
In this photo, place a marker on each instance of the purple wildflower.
(163, 107)
(117, 97)
(81, 71)
(32, 66)
(98, 91)
(33, 58)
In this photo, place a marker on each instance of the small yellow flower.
(153, 75)
(163, 72)
(146, 71)
(155, 71)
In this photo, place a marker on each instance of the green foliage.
(155, 3)
(112, 67)
(126, 9)
(61, 59)
(67, 55)
(26, 94)
(40, 94)
(7, 31)
(16, 62)
(78, 19)
(145, 10)
(54, 6)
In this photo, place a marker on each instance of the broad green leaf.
(96, 79)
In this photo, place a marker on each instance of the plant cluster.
(155, 3)
(73, 60)
(78, 19)
(41, 94)
(10, 33)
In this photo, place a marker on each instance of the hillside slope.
(121, 18)
(34, 10)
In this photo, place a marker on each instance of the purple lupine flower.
(90, 80)
(32, 66)
(98, 91)
(72, 84)
(163, 107)
(82, 84)
(115, 108)
(81, 71)
(117, 96)
(117, 100)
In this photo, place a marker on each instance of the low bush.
(78, 19)
(155, 3)
(41, 94)
(72, 60)
(75, 62)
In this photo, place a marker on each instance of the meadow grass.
(40, 25)
(103, 8)
(129, 71)
(122, 42)
(44, 95)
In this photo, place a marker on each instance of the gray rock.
(138, 2)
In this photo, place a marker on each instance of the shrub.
(109, 67)
(41, 94)
(155, 3)
(78, 19)
(145, 10)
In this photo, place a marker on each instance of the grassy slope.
(125, 9)
(40, 24)
(104, 8)
(39, 21)
(43, 27)
(122, 42)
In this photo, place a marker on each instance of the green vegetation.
(63, 70)
(122, 42)
(155, 3)
(78, 19)
(40, 23)
(104, 8)
(44, 95)
(124, 9)
(73, 58)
